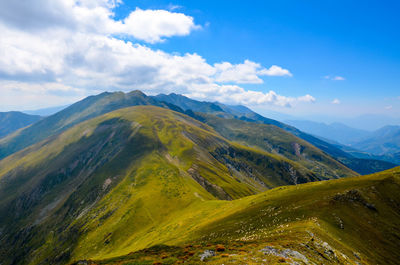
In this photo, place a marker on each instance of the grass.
(331, 222)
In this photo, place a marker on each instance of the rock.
(285, 253)
(206, 254)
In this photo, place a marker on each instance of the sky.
(320, 60)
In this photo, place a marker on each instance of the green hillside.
(275, 140)
(123, 173)
(347, 221)
(358, 164)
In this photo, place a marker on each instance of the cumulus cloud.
(152, 25)
(246, 73)
(95, 16)
(275, 71)
(336, 101)
(237, 95)
(63, 50)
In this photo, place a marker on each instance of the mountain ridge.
(14, 120)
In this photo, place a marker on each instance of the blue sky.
(358, 40)
(343, 54)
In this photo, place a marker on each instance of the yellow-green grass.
(331, 222)
(122, 181)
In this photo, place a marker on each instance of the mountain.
(83, 110)
(105, 183)
(186, 103)
(371, 122)
(360, 165)
(111, 189)
(149, 184)
(338, 132)
(277, 141)
(383, 141)
(14, 120)
(106, 102)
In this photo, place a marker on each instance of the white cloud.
(152, 25)
(70, 50)
(336, 101)
(246, 73)
(95, 16)
(335, 78)
(238, 73)
(275, 71)
(389, 107)
(306, 98)
(234, 94)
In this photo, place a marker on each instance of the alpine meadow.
(199, 132)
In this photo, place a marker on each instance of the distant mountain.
(372, 146)
(382, 142)
(371, 122)
(335, 131)
(14, 120)
(361, 165)
(85, 109)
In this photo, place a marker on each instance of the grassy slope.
(347, 221)
(100, 187)
(360, 165)
(276, 140)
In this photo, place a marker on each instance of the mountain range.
(14, 120)
(125, 178)
(382, 144)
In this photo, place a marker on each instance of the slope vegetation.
(347, 221)
(360, 165)
(106, 186)
(275, 140)
(145, 185)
